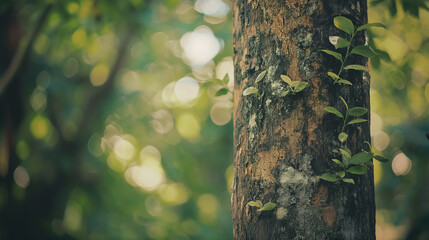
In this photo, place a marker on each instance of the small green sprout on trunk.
(255, 90)
(294, 86)
(262, 207)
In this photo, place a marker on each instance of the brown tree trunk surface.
(283, 144)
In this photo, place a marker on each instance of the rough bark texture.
(282, 144)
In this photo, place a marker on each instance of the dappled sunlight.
(162, 121)
(21, 177)
(188, 126)
(79, 38)
(40, 127)
(123, 148)
(99, 75)
(215, 8)
(220, 113)
(381, 140)
(173, 193)
(199, 46)
(148, 176)
(186, 89)
(401, 164)
(207, 208)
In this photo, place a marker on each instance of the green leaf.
(360, 158)
(334, 54)
(216, 81)
(348, 180)
(369, 144)
(345, 153)
(345, 103)
(357, 67)
(226, 79)
(300, 86)
(344, 24)
(285, 93)
(370, 25)
(286, 79)
(221, 92)
(261, 76)
(343, 81)
(357, 111)
(267, 207)
(338, 162)
(359, 170)
(333, 76)
(339, 42)
(365, 51)
(250, 90)
(293, 84)
(256, 203)
(341, 174)
(334, 111)
(206, 84)
(380, 158)
(342, 136)
(357, 120)
(329, 177)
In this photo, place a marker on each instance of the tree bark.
(283, 144)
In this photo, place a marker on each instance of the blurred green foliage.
(116, 136)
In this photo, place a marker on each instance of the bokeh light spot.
(188, 126)
(99, 74)
(71, 67)
(186, 89)
(381, 140)
(149, 178)
(153, 206)
(73, 217)
(21, 177)
(208, 207)
(150, 152)
(376, 123)
(124, 149)
(38, 99)
(39, 127)
(199, 46)
(215, 8)
(220, 113)
(79, 38)
(401, 164)
(72, 7)
(162, 121)
(41, 44)
(174, 193)
(22, 150)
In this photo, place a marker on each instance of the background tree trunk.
(282, 144)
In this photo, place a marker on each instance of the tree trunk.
(283, 144)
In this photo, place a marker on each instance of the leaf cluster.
(294, 86)
(223, 83)
(356, 164)
(354, 112)
(347, 26)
